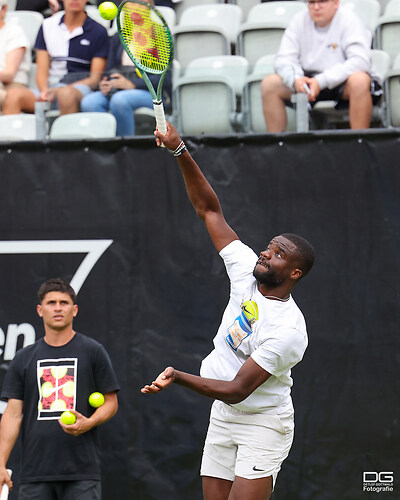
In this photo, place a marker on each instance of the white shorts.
(248, 445)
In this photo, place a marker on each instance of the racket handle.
(160, 117)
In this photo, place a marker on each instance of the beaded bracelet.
(180, 149)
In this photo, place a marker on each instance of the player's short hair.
(56, 285)
(305, 251)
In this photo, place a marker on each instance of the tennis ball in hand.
(108, 10)
(96, 399)
(68, 418)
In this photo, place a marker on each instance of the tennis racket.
(5, 489)
(147, 40)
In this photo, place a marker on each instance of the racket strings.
(145, 37)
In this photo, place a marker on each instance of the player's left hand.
(81, 425)
(162, 381)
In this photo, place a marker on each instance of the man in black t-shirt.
(57, 373)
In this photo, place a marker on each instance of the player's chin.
(260, 270)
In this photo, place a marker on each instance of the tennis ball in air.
(250, 310)
(96, 399)
(108, 10)
(68, 418)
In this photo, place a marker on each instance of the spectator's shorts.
(336, 93)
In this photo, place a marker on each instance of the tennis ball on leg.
(108, 10)
(68, 418)
(96, 399)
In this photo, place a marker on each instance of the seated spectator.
(15, 55)
(124, 90)
(71, 57)
(325, 51)
(38, 5)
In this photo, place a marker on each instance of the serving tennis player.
(261, 337)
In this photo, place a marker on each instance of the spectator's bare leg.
(18, 100)
(357, 91)
(274, 92)
(69, 99)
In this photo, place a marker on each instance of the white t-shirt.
(12, 37)
(333, 53)
(276, 342)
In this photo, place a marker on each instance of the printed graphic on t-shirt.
(57, 379)
(242, 326)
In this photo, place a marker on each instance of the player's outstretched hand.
(171, 139)
(162, 381)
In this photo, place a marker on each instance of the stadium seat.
(252, 104)
(84, 126)
(262, 32)
(182, 5)
(245, 5)
(30, 22)
(326, 114)
(168, 14)
(392, 94)
(17, 127)
(253, 117)
(367, 10)
(32, 76)
(387, 36)
(206, 98)
(206, 30)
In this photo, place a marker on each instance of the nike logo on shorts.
(258, 470)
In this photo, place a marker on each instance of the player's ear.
(39, 310)
(296, 274)
(75, 310)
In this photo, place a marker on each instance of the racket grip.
(160, 116)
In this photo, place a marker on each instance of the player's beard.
(266, 277)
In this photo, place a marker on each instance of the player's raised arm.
(200, 192)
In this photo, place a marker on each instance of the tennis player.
(261, 337)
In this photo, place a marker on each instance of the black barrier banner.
(113, 217)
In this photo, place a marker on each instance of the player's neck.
(275, 293)
(57, 338)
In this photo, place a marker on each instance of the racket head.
(145, 36)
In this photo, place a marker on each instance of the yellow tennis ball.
(108, 10)
(68, 418)
(96, 399)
